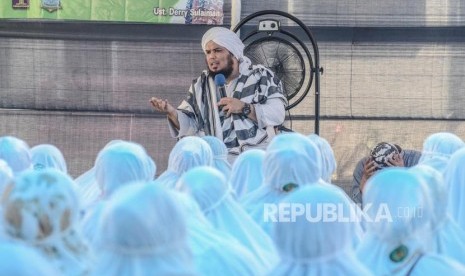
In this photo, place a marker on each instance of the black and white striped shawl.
(255, 87)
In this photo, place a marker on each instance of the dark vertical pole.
(317, 92)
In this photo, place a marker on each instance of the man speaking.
(238, 108)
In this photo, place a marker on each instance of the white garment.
(455, 182)
(16, 153)
(48, 156)
(267, 92)
(438, 148)
(88, 189)
(247, 172)
(328, 164)
(308, 243)
(448, 237)
(90, 219)
(278, 172)
(19, 260)
(433, 264)
(123, 163)
(117, 165)
(290, 159)
(142, 231)
(269, 114)
(208, 187)
(119, 162)
(42, 210)
(215, 251)
(398, 223)
(189, 152)
(6, 175)
(220, 155)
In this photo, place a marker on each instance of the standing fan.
(283, 59)
(286, 55)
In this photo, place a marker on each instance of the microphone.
(220, 81)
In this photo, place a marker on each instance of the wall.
(392, 72)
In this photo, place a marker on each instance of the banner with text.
(150, 11)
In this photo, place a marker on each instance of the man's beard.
(227, 71)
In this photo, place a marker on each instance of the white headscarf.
(455, 182)
(210, 190)
(220, 155)
(448, 237)
(290, 159)
(142, 231)
(278, 171)
(438, 148)
(317, 247)
(48, 156)
(19, 260)
(328, 165)
(41, 209)
(214, 250)
(189, 152)
(247, 172)
(398, 237)
(16, 153)
(117, 163)
(88, 188)
(120, 164)
(6, 175)
(229, 40)
(123, 163)
(299, 143)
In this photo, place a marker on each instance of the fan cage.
(297, 88)
(281, 57)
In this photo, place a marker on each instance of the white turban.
(229, 40)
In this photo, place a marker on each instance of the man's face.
(219, 60)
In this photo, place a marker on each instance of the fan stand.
(271, 26)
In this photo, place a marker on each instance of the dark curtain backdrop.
(393, 72)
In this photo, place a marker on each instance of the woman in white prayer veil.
(310, 245)
(215, 252)
(210, 190)
(16, 153)
(291, 160)
(448, 237)
(88, 189)
(189, 152)
(6, 175)
(142, 231)
(117, 165)
(220, 155)
(247, 172)
(327, 169)
(438, 148)
(48, 156)
(19, 260)
(328, 165)
(455, 183)
(398, 231)
(41, 209)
